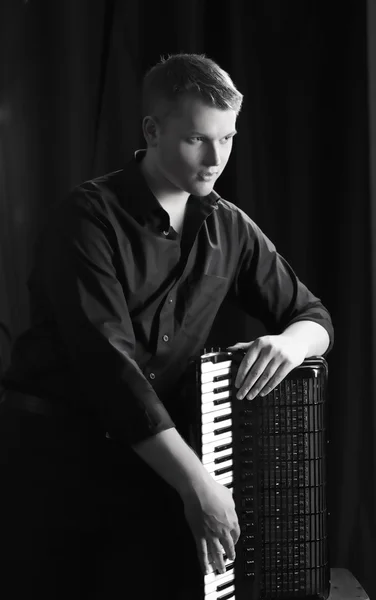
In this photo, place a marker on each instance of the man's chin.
(202, 188)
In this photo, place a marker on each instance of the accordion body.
(271, 452)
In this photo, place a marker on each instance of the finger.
(216, 552)
(235, 533)
(278, 376)
(202, 552)
(239, 346)
(229, 546)
(247, 363)
(261, 371)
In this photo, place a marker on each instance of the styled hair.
(182, 74)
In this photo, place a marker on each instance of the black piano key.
(221, 377)
(229, 566)
(221, 401)
(226, 596)
(224, 586)
(219, 390)
(222, 430)
(222, 418)
(223, 459)
(222, 447)
(225, 470)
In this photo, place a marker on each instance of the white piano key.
(207, 448)
(210, 397)
(212, 366)
(221, 478)
(209, 427)
(210, 386)
(221, 578)
(209, 407)
(213, 576)
(210, 457)
(227, 481)
(207, 418)
(211, 467)
(218, 595)
(206, 377)
(206, 438)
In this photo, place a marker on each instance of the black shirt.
(119, 303)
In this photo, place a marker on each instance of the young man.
(130, 272)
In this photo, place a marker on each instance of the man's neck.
(172, 200)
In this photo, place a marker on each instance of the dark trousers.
(76, 523)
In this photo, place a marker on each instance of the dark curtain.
(70, 83)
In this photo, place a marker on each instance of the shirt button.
(152, 375)
(170, 300)
(165, 338)
(166, 232)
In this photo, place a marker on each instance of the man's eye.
(194, 139)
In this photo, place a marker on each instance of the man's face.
(194, 145)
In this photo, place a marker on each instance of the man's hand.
(266, 363)
(210, 512)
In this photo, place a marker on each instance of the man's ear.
(150, 130)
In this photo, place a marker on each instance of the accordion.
(271, 452)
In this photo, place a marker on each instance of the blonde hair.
(182, 74)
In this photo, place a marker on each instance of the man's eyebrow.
(203, 135)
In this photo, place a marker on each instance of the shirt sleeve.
(88, 306)
(267, 288)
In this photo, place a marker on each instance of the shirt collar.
(144, 201)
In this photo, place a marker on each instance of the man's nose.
(213, 157)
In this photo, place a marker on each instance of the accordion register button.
(247, 489)
(248, 539)
(248, 514)
(247, 451)
(247, 502)
(246, 413)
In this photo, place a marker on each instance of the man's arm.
(271, 357)
(90, 312)
(309, 334)
(169, 456)
(208, 506)
(267, 288)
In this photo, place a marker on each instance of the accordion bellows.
(272, 452)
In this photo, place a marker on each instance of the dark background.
(70, 78)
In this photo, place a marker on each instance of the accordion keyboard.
(217, 452)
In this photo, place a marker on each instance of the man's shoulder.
(229, 210)
(103, 186)
(101, 193)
